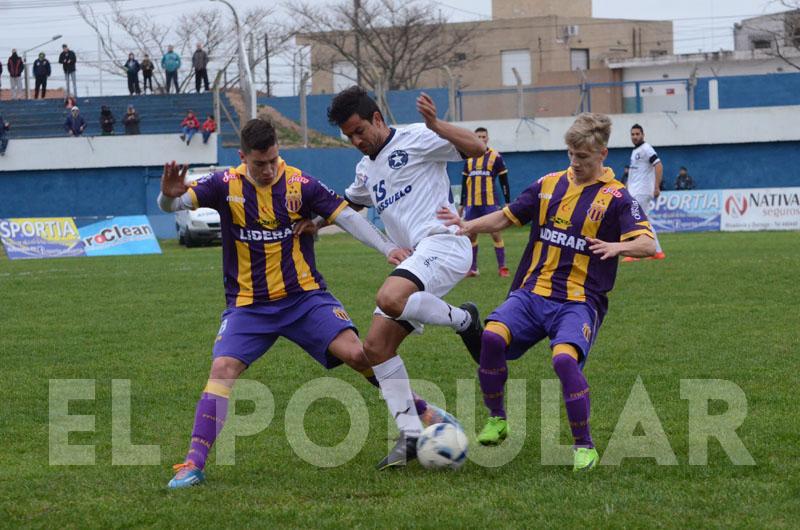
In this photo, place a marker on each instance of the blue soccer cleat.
(187, 475)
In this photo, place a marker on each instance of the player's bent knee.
(390, 303)
(566, 349)
(227, 368)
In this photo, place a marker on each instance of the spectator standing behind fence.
(199, 63)
(171, 62)
(189, 127)
(15, 68)
(4, 126)
(684, 181)
(41, 71)
(106, 121)
(209, 127)
(131, 121)
(147, 73)
(68, 60)
(75, 124)
(132, 68)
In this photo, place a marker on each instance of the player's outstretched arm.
(641, 247)
(466, 141)
(353, 223)
(494, 222)
(173, 188)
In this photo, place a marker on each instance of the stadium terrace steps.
(159, 114)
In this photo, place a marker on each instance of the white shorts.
(439, 262)
(646, 202)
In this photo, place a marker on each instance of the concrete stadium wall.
(751, 91)
(731, 149)
(753, 165)
(755, 125)
(105, 152)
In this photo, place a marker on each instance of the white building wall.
(728, 126)
(88, 152)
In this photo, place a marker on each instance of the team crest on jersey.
(596, 212)
(294, 199)
(587, 332)
(398, 159)
(341, 314)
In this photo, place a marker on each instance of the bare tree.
(121, 31)
(391, 43)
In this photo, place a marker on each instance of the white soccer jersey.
(642, 170)
(407, 183)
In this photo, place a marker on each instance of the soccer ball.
(442, 445)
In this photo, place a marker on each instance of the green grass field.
(722, 306)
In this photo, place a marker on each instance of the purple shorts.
(531, 318)
(311, 320)
(473, 212)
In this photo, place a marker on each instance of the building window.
(578, 59)
(762, 45)
(344, 75)
(519, 59)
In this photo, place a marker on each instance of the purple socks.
(576, 398)
(493, 372)
(500, 252)
(208, 421)
(474, 257)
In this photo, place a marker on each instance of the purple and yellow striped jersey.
(557, 263)
(262, 260)
(479, 179)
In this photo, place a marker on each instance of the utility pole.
(99, 65)
(266, 62)
(357, 7)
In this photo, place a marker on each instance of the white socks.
(396, 390)
(429, 309)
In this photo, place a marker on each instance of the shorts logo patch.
(587, 332)
(596, 212)
(341, 314)
(294, 199)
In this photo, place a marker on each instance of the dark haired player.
(479, 197)
(403, 174)
(272, 285)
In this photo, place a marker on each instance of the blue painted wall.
(128, 191)
(756, 165)
(751, 91)
(401, 103)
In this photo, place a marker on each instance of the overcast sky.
(700, 25)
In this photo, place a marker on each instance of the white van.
(200, 226)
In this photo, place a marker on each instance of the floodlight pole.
(245, 74)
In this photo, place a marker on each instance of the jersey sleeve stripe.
(636, 233)
(195, 202)
(511, 216)
(336, 212)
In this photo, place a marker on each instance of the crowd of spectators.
(75, 123)
(170, 63)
